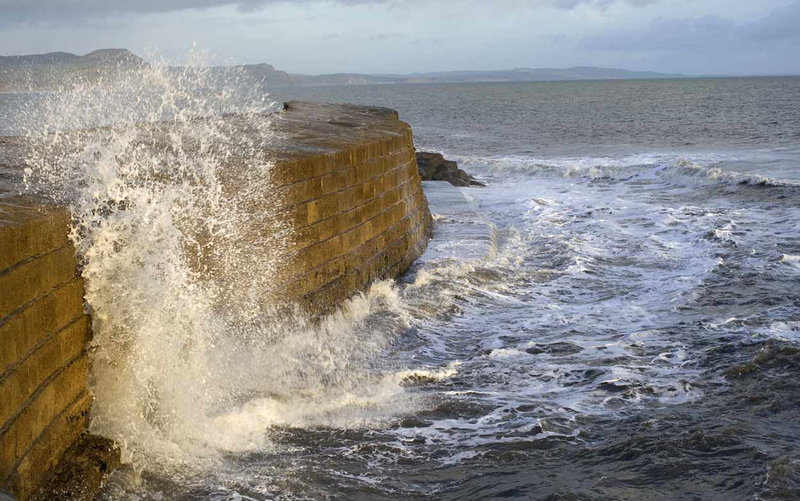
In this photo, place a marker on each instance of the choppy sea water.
(637, 334)
(634, 335)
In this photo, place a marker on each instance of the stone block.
(24, 379)
(29, 229)
(21, 332)
(26, 282)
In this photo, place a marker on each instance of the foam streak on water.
(617, 282)
(598, 340)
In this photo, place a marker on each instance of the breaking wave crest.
(700, 170)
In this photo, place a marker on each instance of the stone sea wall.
(349, 188)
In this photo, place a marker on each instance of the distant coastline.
(37, 72)
(43, 72)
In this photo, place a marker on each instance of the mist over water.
(633, 334)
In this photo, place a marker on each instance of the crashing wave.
(658, 167)
(190, 356)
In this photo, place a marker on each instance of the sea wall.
(347, 184)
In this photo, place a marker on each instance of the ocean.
(633, 334)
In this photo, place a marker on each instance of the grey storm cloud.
(779, 24)
(690, 33)
(34, 10)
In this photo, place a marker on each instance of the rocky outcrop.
(434, 167)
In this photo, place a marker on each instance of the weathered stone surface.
(37, 465)
(82, 470)
(32, 443)
(22, 332)
(28, 281)
(33, 371)
(43, 334)
(434, 167)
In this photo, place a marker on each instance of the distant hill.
(266, 73)
(39, 59)
(48, 71)
(271, 77)
(281, 78)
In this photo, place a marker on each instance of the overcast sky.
(403, 36)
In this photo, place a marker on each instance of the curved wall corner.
(354, 199)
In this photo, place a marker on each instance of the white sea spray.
(190, 356)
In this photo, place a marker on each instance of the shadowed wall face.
(44, 332)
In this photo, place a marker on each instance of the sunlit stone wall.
(349, 193)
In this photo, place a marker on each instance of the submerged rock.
(434, 167)
(772, 355)
(783, 480)
(558, 348)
